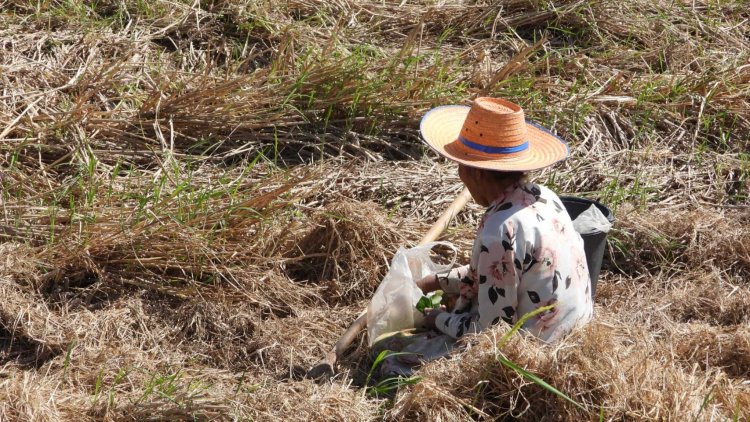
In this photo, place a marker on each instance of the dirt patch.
(25, 325)
(22, 351)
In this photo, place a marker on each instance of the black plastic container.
(593, 243)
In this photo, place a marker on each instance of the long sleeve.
(498, 277)
(456, 325)
(450, 282)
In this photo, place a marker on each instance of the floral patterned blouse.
(526, 255)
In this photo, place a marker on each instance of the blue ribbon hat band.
(493, 150)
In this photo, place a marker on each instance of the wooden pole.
(325, 367)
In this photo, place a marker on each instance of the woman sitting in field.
(526, 254)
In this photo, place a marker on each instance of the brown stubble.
(155, 265)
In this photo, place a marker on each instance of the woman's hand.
(431, 316)
(428, 284)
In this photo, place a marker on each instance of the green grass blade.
(706, 400)
(68, 356)
(526, 374)
(517, 326)
(389, 384)
(538, 381)
(379, 359)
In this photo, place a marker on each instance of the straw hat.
(492, 134)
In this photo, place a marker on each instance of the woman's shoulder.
(552, 198)
(547, 192)
(538, 191)
(526, 205)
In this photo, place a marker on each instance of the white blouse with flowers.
(526, 255)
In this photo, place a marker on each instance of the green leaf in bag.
(424, 303)
(436, 298)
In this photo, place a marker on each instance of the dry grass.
(198, 198)
(344, 242)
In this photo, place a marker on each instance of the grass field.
(198, 197)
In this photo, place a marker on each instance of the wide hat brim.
(441, 126)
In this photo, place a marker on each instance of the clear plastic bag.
(393, 305)
(591, 221)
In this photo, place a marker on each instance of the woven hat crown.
(495, 126)
(492, 134)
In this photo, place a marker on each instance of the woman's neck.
(499, 191)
